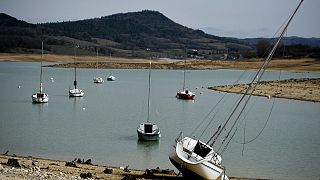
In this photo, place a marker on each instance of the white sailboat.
(185, 93)
(148, 131)
(111, 78)
(193, 157)
(75, 92)
(40, 97)
(98, 79)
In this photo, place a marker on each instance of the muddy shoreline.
(306, 89)
(38, 168)
(66, 61)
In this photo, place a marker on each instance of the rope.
(257, 79)
(214, 107)
(265, 125)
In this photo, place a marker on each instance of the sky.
(227, 18)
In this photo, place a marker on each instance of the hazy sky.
(233, 18)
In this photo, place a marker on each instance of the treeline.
(287, 51)
(130, 35)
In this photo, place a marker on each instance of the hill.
(288, 41)
(131, 34)
(123, 34)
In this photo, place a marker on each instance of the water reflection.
(77, 102)
(149, 149)
(42, 110)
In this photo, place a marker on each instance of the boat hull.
(76, 93)
(152, 135)
(98, 80)
(111, 78)
(148, 137)
(194, 168)
(186, 95)
(40, 98)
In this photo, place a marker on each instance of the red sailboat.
(185, 93)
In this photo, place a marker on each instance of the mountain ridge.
(122, 35)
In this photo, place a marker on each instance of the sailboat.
(193, 157)
(40, 97)
(185, 93)
(75, 92)
(148, 131)
(111, 78)
(98, 79)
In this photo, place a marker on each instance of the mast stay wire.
(254, 82)
(214, 107)
(267, 120)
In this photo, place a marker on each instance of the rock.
(86, 175)
(78, 160)
(88, 162)
(168, 171)
(71, 164)
(148, 173)
(129, 177)
(126, 169)
(108, 171)
(156, 170)
(13, 163)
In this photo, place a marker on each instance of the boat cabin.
(148, 128)
(201, 149)
(40, 95)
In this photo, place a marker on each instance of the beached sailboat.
(75, 92)
(185, 93)
(148, 131)
(40, 97)
(196, 158)
(98, 79)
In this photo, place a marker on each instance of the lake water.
(102, 125)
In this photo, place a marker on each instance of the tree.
(262, 48)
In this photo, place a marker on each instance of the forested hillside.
(131, 34)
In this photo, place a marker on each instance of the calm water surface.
(102, 125)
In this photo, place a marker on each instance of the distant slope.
(124, 34)
(130, 35)
(17, 34)
(293, 40)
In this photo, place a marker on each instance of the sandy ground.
(37, 168)
(70, 59)
(296, 65)
(298, 89)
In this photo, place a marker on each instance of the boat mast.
(41, 66)
(253, 84)
(97, 59)
(149, 88)
(184, 72)
(75, 69)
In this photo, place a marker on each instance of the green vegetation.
(122, 35)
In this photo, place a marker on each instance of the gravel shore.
(18, 167)
(306, 89)
(22, 168)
